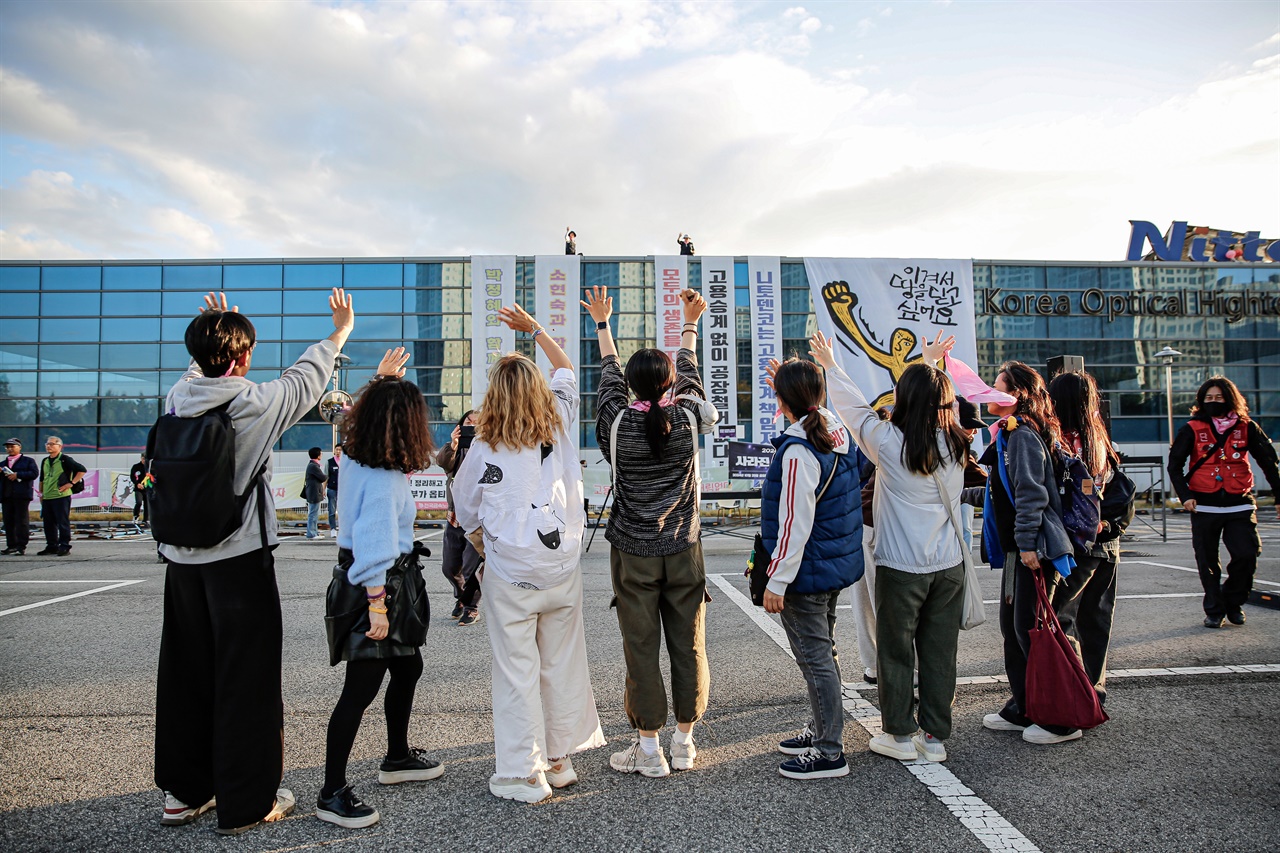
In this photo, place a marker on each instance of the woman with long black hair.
(655, 557)
(1086, 600)
(388, 435)
(1023, 533)
(920, 454)
(1217, 489)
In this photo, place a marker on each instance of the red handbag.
(1059, 692)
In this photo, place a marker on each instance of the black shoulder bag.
(346, 618)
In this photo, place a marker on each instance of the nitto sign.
(1196, 243)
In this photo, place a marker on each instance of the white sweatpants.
(862, 597)
(543, 706)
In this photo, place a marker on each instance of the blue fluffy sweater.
(377, 520)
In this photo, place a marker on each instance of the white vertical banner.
(764, 289)
(879, 310)
(670, 274)
(558, 287)
(720, 355)
(493, 285)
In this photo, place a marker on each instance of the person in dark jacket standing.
(685, 244)
(137, 474)
(460, 561)
(58, 474)
(15, 494)
(570, 242)
(1217, 490)
(332, 470)
(313, 492)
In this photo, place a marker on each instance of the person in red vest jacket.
(1217, 489)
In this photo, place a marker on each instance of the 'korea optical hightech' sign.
(1183, 243)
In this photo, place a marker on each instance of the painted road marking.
(114, 585)
(1118, 597)
(987, 825)
(1193, 571)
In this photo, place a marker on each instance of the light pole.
(1167, 355)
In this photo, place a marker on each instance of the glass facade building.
(88, 349)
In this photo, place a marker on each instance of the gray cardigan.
(1037, 505)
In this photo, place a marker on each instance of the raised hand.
(393, 362)
(599, 303)
(517, 318)
(693, 305)
(340, 304)
(217, 302)
(932, 351)
(822, 351)
(772, 371)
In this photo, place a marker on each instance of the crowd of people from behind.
(515, 529)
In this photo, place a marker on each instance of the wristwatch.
(602, 325)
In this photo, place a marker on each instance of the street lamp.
(1167, 355)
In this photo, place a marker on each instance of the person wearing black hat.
(15, 494)
(975, 479)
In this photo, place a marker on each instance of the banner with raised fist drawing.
(879, 310)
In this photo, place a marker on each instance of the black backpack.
(193, 464)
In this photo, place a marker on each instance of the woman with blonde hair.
(520, 488)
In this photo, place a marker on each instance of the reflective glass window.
(21, 304)
(1071, 278)
(322, 276)
(363, 276)
(74, 438)
(71, 278)
(377, 327)
(70, 304)
(17, 356)
(313, 302)
(307, 328)
(69, 330)
(120, 438)
(365, 355)
(130, 356)
(19, 278)
(423, 275)
(305, 436)
(424, 326)
(422, 301)
(131, 329)
(69, 356)
(138, 304)
(25, 413)
(131, 278)
(19, 330)
(183, 303)
(174, 356)
(266, 355)
(1018, 278)
(253, 303)
(378, 302)
(269, 328)
(236, 277)
(67, 383)
(18, 383)
(131, 384)
(174, 328)
(205, 277)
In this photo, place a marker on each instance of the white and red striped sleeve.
(800, 475)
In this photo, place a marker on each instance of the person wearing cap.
(15, 494)
(59, 474)
(975, 479)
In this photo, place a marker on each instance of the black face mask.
(1214, 409)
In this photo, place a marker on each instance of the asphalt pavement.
(1188, 762)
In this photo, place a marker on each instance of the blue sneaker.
(814, 765)
(798, 745)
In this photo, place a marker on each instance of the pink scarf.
(1221, 425)
(970, 385)
(644, 405)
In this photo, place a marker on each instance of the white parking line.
(114, 585)
(987, 825)
(1118, 597)
(1193, 571)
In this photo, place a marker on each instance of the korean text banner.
(493, 285)
(764, 290)
(880, 309)
(719, 352)
(557, 291)
(670, 272)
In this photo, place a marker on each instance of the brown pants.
(656, 597)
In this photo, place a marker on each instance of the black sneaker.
(46, 552)
(1236, 617)
(345, 809)
(798, 745)
(62, 552)
(1213, 621)
(415, 767)
(457, 610)
(469, 617)
(813, 765)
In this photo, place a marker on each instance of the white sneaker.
(283, 807)
(178, 813)
(929, 747)
(1035, 734)
(683, 754)
(333, 534)
(888, 745)
(561, 774)
(633, 759)
(532, 790)
(998, 723)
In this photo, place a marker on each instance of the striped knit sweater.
(655, 500)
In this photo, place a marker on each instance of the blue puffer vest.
(832, 557)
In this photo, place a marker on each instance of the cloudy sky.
(953, 129)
